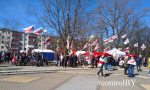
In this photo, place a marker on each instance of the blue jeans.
(130, 70)
(106, 66)
(109, 67)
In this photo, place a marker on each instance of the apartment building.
(15, 41)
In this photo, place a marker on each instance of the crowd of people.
(74, 61)
(126, 62)
(22, 59)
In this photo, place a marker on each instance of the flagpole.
(23, 42)
(42, 45)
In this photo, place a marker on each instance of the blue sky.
(18, 9)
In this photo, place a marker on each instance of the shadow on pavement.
(108, 74)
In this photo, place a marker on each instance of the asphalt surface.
(59, 78)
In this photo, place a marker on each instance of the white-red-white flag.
(106, 41)
(114, 37)
(126, 49)
(126, 41)
(47, 41)
(85, 46)
(132, 62)
(38, 31)
(143, 46)
(123, 36)
(100, 61)
(136, 45)
(96, 47)
(106, 49)
(29, 29)
(94, 43)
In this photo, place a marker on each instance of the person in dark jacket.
(125, 65)
(139, 63)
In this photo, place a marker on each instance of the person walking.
(14, 60)
(139, 63)
(131, 63)
(100, 65)
(125, 65)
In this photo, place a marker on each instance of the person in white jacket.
(131, 63)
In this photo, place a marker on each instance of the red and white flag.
(114, 37)
(100, 61)
(106, 49)
(96, 47)
(143, 46)
(29, 29)
(126, 41)
(106, 41)
(111, 39)
(94, 43)
(47, 41)
(126, 49)
(85, 46)
(38, 31)
(132, 62)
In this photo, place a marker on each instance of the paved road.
(58, 78)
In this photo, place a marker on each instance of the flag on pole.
(85, 46)
(68, 42)
(114, 37)
(29, 29)
(100, 61)
(126, 41)
(47, 41)
(143, 46)
(106, 49)
(123, 36)
(106, 41)
(96, 47)
(136, 45)
(38, 31)
(126, 49)
(94, 43)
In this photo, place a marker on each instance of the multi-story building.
(31, 40)
(5, 39)
(15, 41)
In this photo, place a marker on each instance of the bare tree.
(66, 17)
(119, 17)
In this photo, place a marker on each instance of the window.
(2, 41)
(8, 37)
(2, 47)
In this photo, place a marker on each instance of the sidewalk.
(80, 82)
(9, 70)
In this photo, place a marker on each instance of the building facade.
(14, 41)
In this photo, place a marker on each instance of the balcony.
(16, 45)
(15, 34)
(15, 39)
(32, 36)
